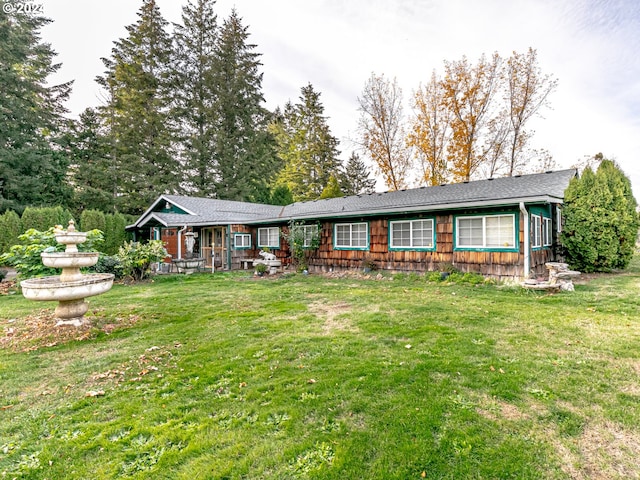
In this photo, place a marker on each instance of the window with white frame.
(558, 219)
(536, 231)
(546, 232)
(416, 234)
(310, 233)
(351, 236)
(490, 231)
(242, 241)
(269, 237)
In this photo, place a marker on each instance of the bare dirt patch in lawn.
(604, 451)
(334, 316)
(39, 330)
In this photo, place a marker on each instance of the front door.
(214, 247)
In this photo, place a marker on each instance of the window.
(417, 234)
(559, 218)
(491, 231)
(310, 233)
(242, 241)
(269, 237)
(546, 232)
(536, 231)
(351, 236)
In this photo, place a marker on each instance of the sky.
(590, 46)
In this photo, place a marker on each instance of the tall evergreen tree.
(32, 166)
(90, 172)
(194, 83)
(601, 224)
(354, 178)
(244, 148)
(137, 112)
(306, 146)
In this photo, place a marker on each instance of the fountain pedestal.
(71, 287)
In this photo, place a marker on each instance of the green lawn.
(227, 376)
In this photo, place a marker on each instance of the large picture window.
(491, 231)
(411, 234)
(353, 236)
(269, 237)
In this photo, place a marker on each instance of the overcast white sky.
(591, 46)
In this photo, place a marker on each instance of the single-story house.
(505, 228)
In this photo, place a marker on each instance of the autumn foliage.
(470, 122)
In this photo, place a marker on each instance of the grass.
(226, 376)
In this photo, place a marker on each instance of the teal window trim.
(350, 247)
(269, 239)
(245, 244)
(516, 237)
(430, 248)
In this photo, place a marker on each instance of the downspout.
(180, 241)
(527, 240)
(228, 240)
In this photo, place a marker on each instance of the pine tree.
(354, 179)
(137, 115)
(244, 149)
(306, 146)
(32, 166)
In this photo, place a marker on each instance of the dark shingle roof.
(542, 187)
(498, 191)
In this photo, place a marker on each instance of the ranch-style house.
(506, 228)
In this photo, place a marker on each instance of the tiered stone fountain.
(71, 287)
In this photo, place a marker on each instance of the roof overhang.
(544, 199)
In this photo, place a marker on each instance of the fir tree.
(137, 112)
(32, 166)
(195, 88)
(90, 172)
(244, 148)
(332, 190)
(354, 179)
(306, 146)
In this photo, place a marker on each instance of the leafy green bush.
(108, 264)
(25, 257)
(136, 258)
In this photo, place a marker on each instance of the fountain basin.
(52, 288)
(69, 259)
(71, 237)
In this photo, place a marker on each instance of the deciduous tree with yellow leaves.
(381, 129)
(429, 132)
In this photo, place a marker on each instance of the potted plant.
(260, 269)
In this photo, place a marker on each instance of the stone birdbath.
(71, 287)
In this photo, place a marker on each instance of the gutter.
(527, 240)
